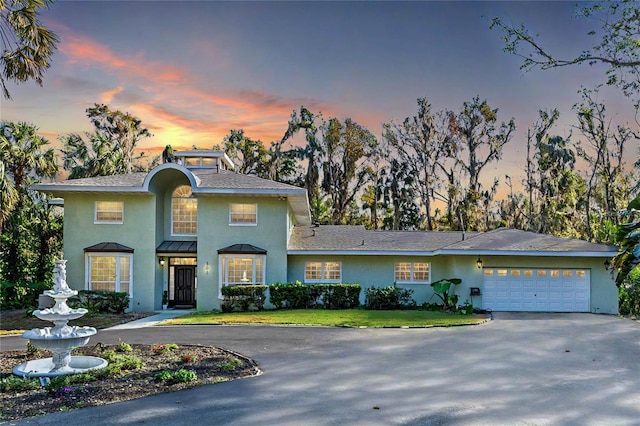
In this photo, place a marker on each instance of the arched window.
(184, 211)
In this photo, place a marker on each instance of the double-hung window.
(412, 272)
(242, 269)
(243, 214)
(326, 272)
(110, 272)
(109, 212)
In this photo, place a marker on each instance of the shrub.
(18, 384)
(161, 349)
(184, 376)
(243, 297)
(230, 364)
(164, 375)
(101, 302)
(21, 295)
(629, 294)
(289, 295)
(388, 298)
(302, 296)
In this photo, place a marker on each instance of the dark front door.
(185, 283)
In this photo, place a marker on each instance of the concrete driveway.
(520, 369)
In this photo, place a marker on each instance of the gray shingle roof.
(504, 239)
(178, 247)
(108, 247)
(358, 239)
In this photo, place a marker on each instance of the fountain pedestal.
(60, 339)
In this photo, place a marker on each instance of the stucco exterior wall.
(378, 271)
(136, 231)
(214, 233)
(373, 271)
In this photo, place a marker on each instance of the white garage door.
(529, 289)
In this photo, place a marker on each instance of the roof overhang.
(177, 247)
(108, 247)
(603, 254)
(242, 249)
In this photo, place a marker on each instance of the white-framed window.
(184, 212)
(109, 272)
(109, 212)
(412, 272)
(326, 272)
(241, 269)
(243, 214)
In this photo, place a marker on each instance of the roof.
(345, 240)
(242, 249)
(514, 240)
(108, 247)
(203, 181)
(178, 247)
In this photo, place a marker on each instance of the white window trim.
(107, 222)
(223, 280)
(243, 223)
(173, 234)
(87, 269)
(412, 280)
(322, 272)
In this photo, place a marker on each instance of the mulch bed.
(211, 364)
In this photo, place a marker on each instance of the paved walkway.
(152, 320)
(529, 369)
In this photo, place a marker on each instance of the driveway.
(520, 369)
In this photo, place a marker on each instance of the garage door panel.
(545, 290)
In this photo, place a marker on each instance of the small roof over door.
(178, 247)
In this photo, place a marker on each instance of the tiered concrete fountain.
(60, 339)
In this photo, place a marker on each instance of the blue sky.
(191, 71)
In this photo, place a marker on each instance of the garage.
(536, 290)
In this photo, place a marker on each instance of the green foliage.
(27, 45)
(243, 298)
(164, 375)
(180, 376)
(302, 296)
(62, 384)
(161, 349)
(18, 384)
(441, 289)
(629, 294)
(21, 295)
(230, 364)
(289, 295)
(119, 362)
(123, 347)
(628, 239)
(101, 302)
(388, 298)
(185, 376)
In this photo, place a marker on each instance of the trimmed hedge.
(388, 298)
(243, 297)
(303, 296)
(100, 302)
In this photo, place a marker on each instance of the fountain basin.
(50, 315)
(45, 367)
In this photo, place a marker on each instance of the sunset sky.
(191, 71)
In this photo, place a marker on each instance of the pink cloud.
(107, 96)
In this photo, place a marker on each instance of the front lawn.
(346, 317)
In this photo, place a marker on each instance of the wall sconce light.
(479, 263)
(161, 260)
(607, 264)
(207, 268)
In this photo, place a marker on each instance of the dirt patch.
(210, 364)
(16, 321)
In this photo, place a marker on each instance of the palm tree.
(22, 159)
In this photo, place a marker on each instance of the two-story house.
(189, 228)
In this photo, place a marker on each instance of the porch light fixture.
(607, 264)
(207, 268)
(161, 260)
(479, 263)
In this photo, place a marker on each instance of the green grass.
(346, 317)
